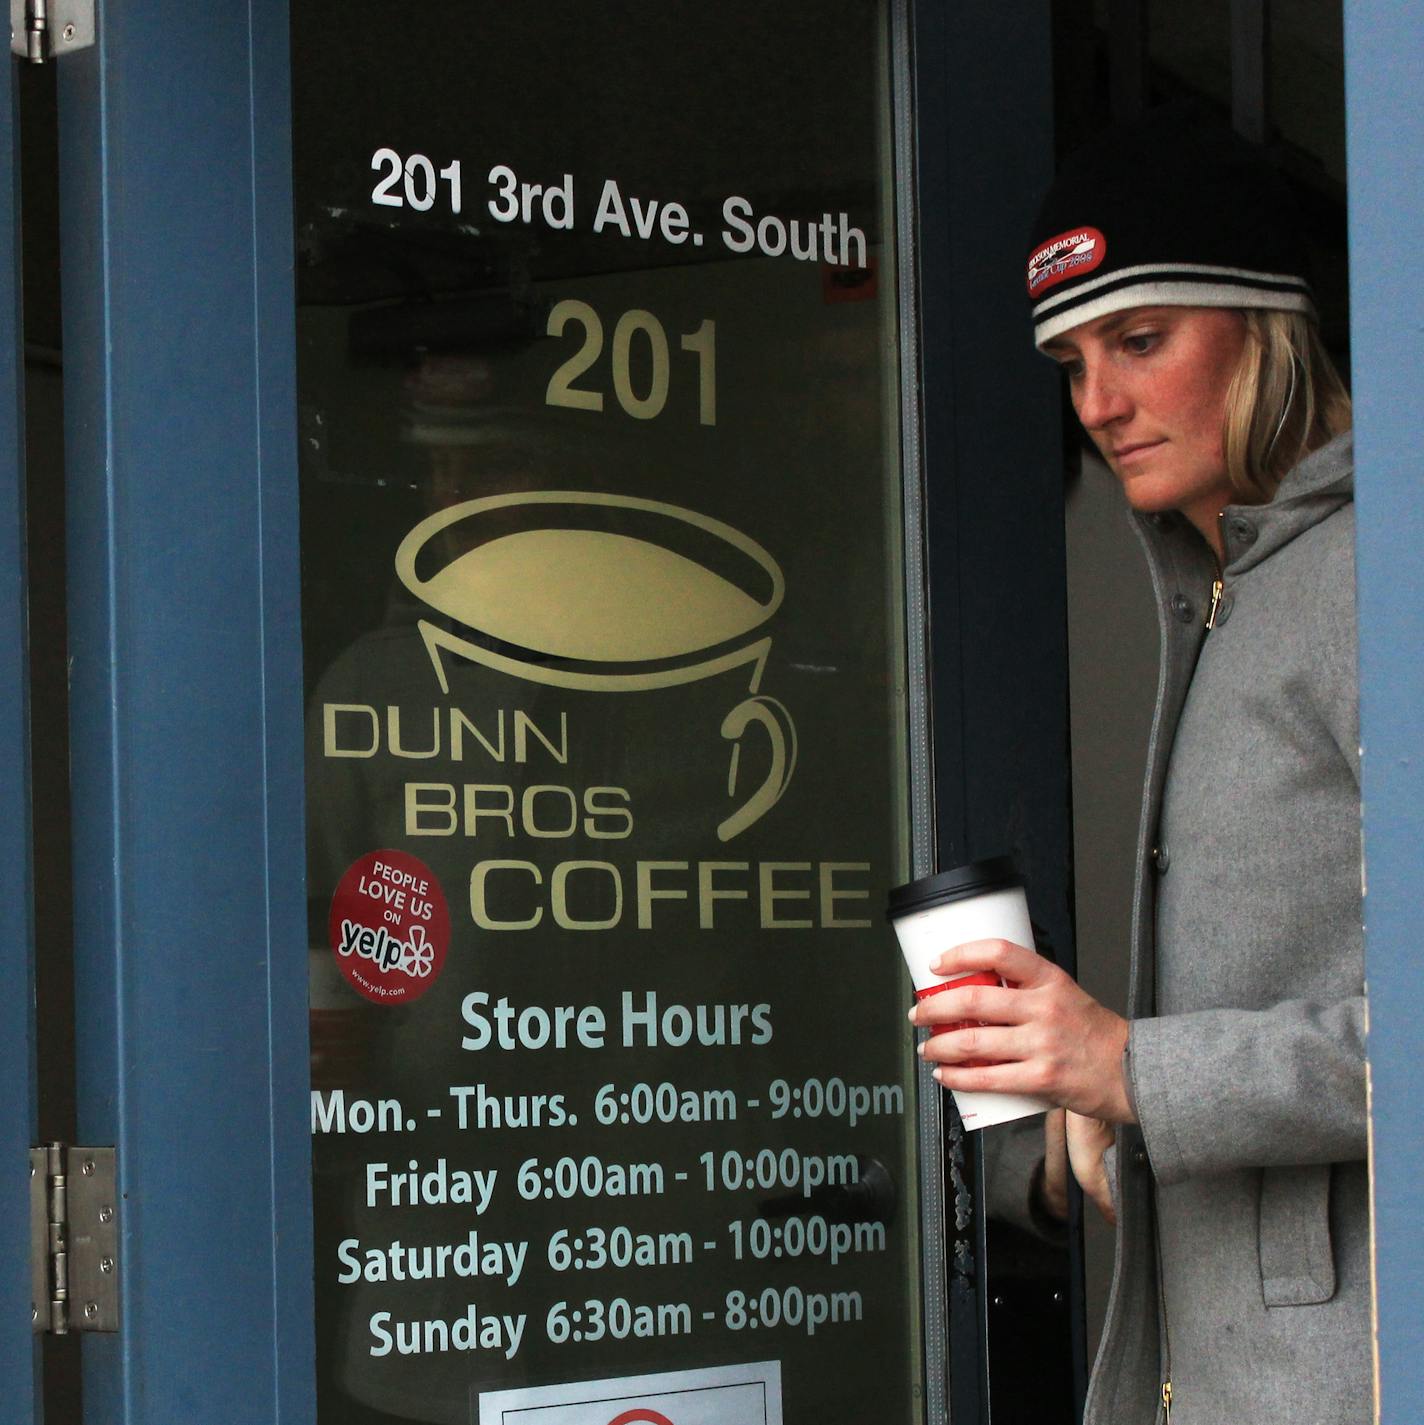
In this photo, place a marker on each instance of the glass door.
(608, 696)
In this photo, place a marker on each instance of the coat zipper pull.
(1215, 604)
(1167, 1400)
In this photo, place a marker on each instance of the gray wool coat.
(1243, 1202)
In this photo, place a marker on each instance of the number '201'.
(413, 182)
(635, 324)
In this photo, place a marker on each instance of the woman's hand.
(1045, 1036)
(1069, 1138)
(1088, 1140)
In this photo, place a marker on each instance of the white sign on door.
(719, 1395)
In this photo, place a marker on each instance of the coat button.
(1182, 608)
(1223, 609)
(1139, 1156)
(1242, 530)
(1161, 857)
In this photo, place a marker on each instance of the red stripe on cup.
(974, 977)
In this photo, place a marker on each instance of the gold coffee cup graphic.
(606, 593)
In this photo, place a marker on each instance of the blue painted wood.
(1384, 48)
(190, 925)
(18, 1353)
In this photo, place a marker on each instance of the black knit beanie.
(1176, 210)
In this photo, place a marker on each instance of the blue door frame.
(1384, 46)
(186, 740)
(190, 922)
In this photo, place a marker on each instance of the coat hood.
(1314, 490)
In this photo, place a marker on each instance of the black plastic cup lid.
(998, 873)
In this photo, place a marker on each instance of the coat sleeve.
(1223, 1089)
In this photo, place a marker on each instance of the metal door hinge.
(43, 29)
(74, 1239)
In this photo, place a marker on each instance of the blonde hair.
(1285, 400)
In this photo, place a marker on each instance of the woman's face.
(1149, 386)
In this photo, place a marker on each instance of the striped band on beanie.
(1176, 210)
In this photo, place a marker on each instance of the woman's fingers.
(992, 1004)
(1020, 1076)
(996, 1042)
(1087, 1140)
(1015, 963)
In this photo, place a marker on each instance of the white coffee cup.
(981, 901)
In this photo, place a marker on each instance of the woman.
(1224, 1125)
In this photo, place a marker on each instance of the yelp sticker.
(389, 927)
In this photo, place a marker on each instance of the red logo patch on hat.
(1070, 254)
